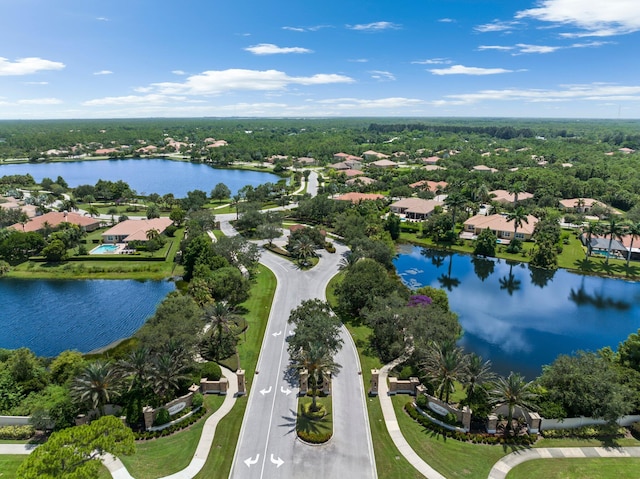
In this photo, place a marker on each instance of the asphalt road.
(268, 446)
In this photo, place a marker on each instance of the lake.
(145, 176)
(50, 316)
(522, 318)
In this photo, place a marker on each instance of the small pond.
(520, 317)
(50, 316)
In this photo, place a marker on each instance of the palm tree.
(97, 384)
(316, 358)
(349, 259)
(476, 374)
(512, 391)
(589, 230)
(303, 249)
(152, 234)
(515, 189)
(519, 217)
(444, 364)
(136, 367)
(93, 211)
(633, 230)
(169, 370)
(220, 317)
(454, 201)
(235, 201)
(613, 230)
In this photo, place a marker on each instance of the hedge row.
(143, 436)
(314, 437)
(11, 433)
(424, 421)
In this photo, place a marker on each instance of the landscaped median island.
(314, 426)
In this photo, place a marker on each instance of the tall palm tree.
(303, 249)
(633, 230)
(514, 391)
(220, 317)
(316, 358)
(519, 217)
(454, 202)
(613, 230)
(589, 230)
(444, 364)
(169, 370)
(476, 374)
(152, 234)
(349, 259)
(97, 384)
(515, 189)
(136, 368)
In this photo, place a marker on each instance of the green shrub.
(422, 402)
(15, 433)
(211, 371)
(314, 437)
(162, 417)
(197, 400)
(635, 430)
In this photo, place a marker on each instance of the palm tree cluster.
(614, 230)
(154, 376)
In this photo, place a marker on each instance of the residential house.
(374, 155)
(415, 209)
(53, 219)
(356, 198)
(305, 160)
(433, 167)
(383, 164)
(484, 169)
(352, 173)
(580, 205)
(502, 228)
(504, 197)
(432, 160)
(135, 230)
(432, 186)
(363, 180)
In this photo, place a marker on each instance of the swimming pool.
(105, 249)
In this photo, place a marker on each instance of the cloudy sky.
(144, 58)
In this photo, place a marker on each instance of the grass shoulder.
(578, 468)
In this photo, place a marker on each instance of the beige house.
(484, 169)
(363, 180)
(414, 208)
(134, 230)
(356, 198)
(503, 196)
(432, 186)
(53, 219)
(500, 226)
(580, 205)
(374, 155)
(383, 164)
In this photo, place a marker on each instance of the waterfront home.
(54, 219)
(502, 228)
(135, 230)
(415, 209)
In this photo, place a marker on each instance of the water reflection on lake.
(521, 317)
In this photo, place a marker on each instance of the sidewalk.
(394, 429)
(504, 465)
(118, 471)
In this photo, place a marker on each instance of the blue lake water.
(50, 316)
(522, 318)
(145, 176)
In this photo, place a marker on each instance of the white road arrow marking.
(286, 391)
(278, 462)
(265, 391)
(275, 335)
(250, 462)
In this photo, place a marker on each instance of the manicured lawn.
(151, 459)
(9, 465)
(582, 468)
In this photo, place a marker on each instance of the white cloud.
(498, 26)
(446, 20)
(178, 72)
(433, 61)
(271, 49)
(220, 81)
(524, 48)
(27, 66)
(594, 17)
(294, 29)
(36, 83)
(589, 92)
(102, 19)
(382, 75)
(40, 101)
(385, 103)
(463, 70)
(314, 28)
(359, 60)
(494, 47)
(147, 100)
(103, 72)
(375, 26)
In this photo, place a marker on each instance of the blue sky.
(479, 58)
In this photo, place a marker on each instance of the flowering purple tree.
(419, 300)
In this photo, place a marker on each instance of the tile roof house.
(374, 155)
(484, 168)
(500, 226)
(383, 164)
(432, 186)
(364, 180)
(55, 219)
(352, 173)
(135, 230)
(580, 205)
(503, 196)
(414, 208)
(358, 197)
